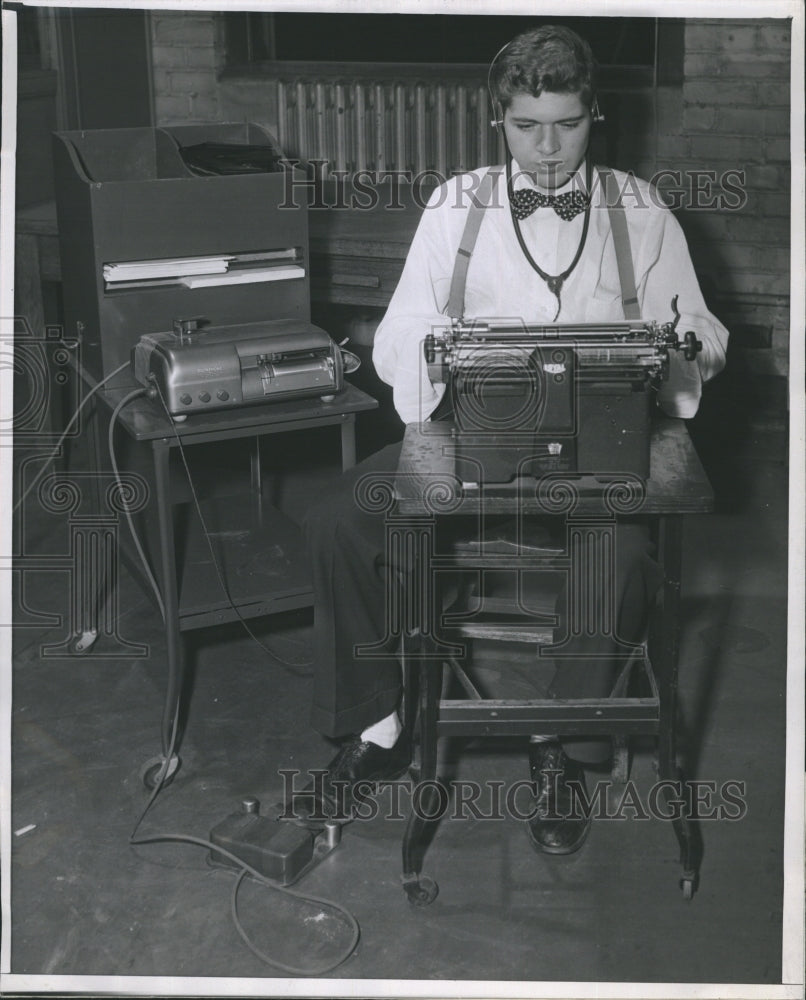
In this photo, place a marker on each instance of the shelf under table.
(259, 552)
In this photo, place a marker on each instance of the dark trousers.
(351, 574)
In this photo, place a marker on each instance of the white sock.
(384, 733)
(542, 739)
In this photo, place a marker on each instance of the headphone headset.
(498, 109)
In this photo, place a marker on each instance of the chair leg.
(419, 888)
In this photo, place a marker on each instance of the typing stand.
(427, 488)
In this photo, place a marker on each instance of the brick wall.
(187, 54)
(734, 110)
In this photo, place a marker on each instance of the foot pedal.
(281, 850)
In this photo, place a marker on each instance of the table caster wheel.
(83, 641)
(151, 773)
(421, 891)
(687, 887)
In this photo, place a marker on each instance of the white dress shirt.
(501, 283)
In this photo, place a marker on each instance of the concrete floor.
(85, 902)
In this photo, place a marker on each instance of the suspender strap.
(621, 242)
(618, 224)
(479, 201)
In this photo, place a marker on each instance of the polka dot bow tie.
(526, 200)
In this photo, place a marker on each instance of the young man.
(544, 253)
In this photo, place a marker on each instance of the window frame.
(665, 67)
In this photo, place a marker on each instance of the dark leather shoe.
(559, 824)
(357, 761)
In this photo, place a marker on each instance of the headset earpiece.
(498, 121)
(595, 112)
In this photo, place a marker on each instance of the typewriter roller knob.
(691, 346)
(429, 349)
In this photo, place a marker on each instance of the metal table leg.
(348, 442)
(687, 833)
(256, 470)
(170, 595)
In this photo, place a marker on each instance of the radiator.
(409, 125)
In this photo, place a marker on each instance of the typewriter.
(529, 399)
(195, 369)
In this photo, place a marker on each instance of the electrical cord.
(143, 560)
(248, 870)
(162, 775)
(66, 431)
(244, 870)
(289, 665)
(113, 461)
(318, 901)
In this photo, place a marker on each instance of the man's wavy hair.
(550, 58)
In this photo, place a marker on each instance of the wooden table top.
(677, 482)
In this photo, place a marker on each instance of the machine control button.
(186, 399)
(222, 395)
(204, 397)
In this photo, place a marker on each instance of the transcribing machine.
(206, 368)
(531, 399)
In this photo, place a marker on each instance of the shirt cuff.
(415, 402)
(680, 393)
